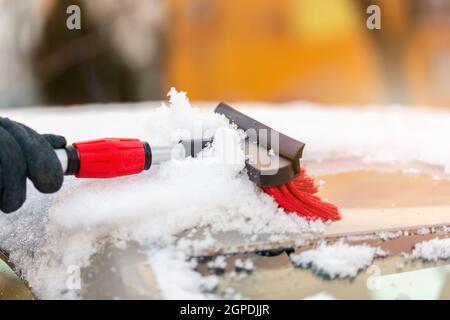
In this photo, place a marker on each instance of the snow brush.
(273, 163)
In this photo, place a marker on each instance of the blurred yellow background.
(259, 50)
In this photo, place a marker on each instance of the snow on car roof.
(51, 233)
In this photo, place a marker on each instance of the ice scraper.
(273, 163)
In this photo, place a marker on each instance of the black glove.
(25, 153)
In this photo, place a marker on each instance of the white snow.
(246, 264)
(388, 235)
(53, 232)
(176, 277)
(432, 250)
(338, 260)
(423, 231)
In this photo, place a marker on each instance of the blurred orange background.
(259, 50)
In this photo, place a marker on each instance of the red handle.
(110, 157)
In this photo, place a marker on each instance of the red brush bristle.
(299, 196)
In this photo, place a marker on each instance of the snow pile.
(432, 250)
(338, 260)
(219, 262)
(51, 233)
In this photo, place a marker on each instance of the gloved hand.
(25, 153)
